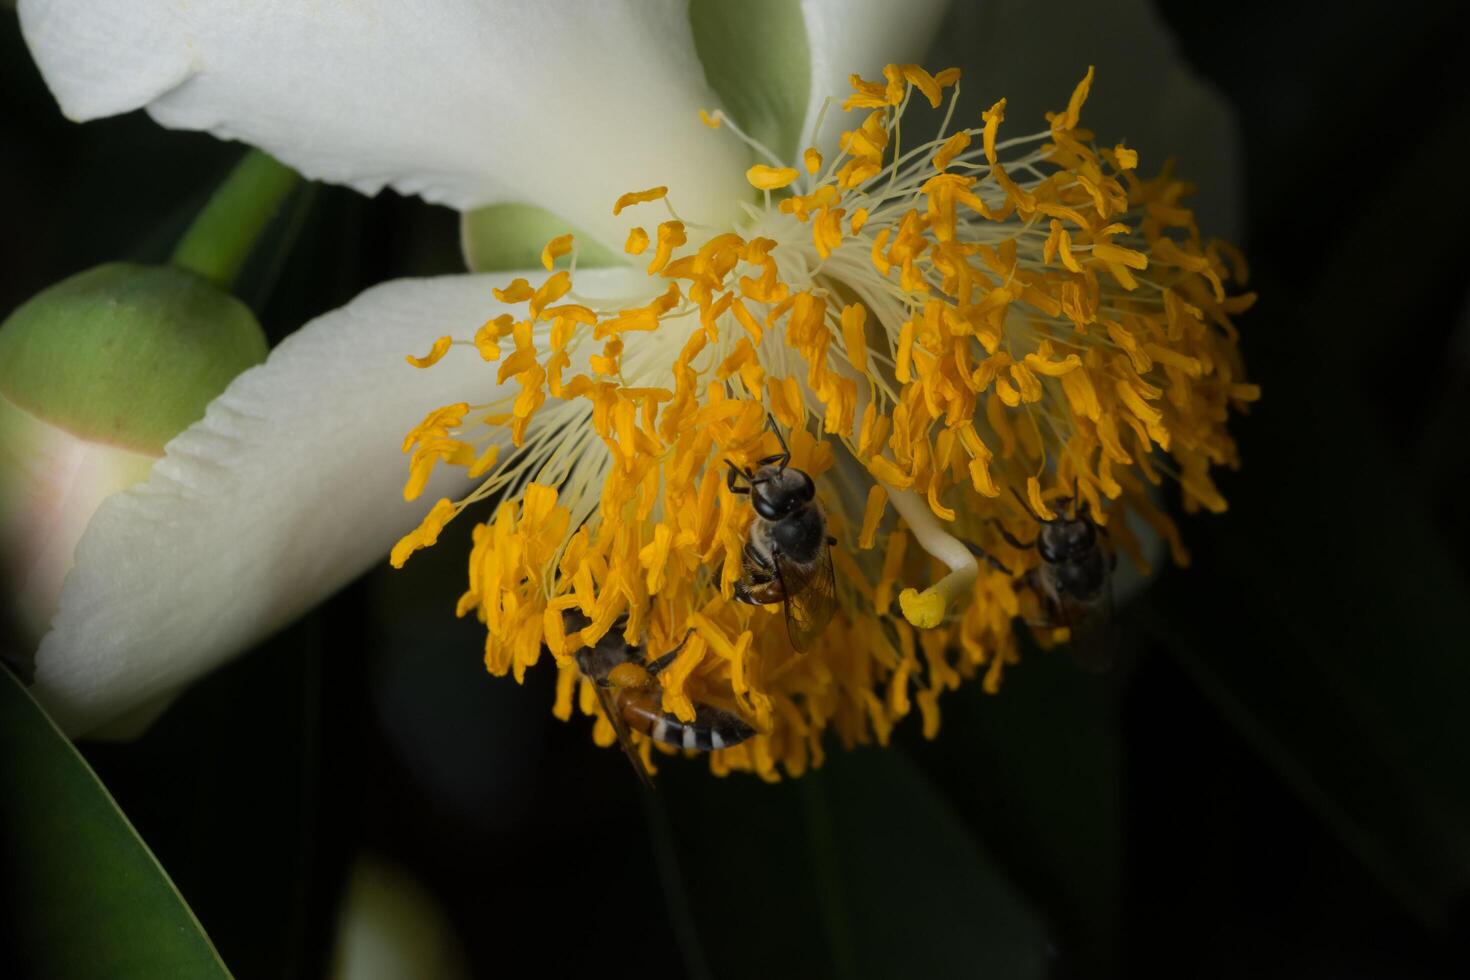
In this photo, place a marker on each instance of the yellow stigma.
(973, 329)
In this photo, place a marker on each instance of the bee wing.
(607, 697)
(811, 597)
(1094, 639)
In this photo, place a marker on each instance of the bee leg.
(742, 594)
(757, 562)
(668, 658)
(662, 662)
(988, 558)
(831, 541)
(1011, 539)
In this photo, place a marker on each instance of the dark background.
(1273, 784)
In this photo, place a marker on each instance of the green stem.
(224, 233)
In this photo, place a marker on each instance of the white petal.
(290, 486)
(859, 36)
(51, 483)
(1144, 93)
(555, 103)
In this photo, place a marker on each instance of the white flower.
(291, 484)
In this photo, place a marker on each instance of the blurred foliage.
(1271, 785)
(82, 895)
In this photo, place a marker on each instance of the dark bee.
(630, 695)
(1074, 580)
(788, 555)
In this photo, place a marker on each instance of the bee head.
(1066, 538)
(778, 493)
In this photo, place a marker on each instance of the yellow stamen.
(426, 534)
(949, 326)
(440, 348)
(766, 178)
(639, 197)
(555, 249)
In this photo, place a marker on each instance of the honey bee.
(1074, 579)
(788, 554)
(629, 693)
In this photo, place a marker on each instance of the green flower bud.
(126, 355)
(97, 373)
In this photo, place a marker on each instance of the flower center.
(930, 326)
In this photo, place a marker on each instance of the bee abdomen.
(711, 728)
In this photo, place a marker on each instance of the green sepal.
(127, 355)
(757, 60)
(504, 237)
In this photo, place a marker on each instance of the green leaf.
(756, 59)
(85, 896)
(859, 869)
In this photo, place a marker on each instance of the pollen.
(955, 338)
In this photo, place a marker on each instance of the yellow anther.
(670, 236)
(924, 82)
(993, 117)
(639, 197)
(766, 178)
(872, 514)
(953, 147)
(518, 291)
(637, 242)
(555, 249)
(440, 348)
(426, 534)
(1069, 119)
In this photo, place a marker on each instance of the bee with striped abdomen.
(630, 695)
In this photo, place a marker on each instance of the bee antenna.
(771, 423)
(1027, 505)
(1076, 485)
(732, 474)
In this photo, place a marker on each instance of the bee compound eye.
(766, 507)
(807, 488)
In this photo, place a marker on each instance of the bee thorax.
(1080, 578)
(802, 535)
